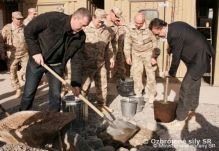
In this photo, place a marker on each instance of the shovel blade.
(123, 131)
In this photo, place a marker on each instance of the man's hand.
(112, 63)
(129, 61)
(153, 61)
(76, 91)
(38, 58)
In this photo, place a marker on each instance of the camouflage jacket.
(14, 40)
(139, 42)
(118, 36)
(97, 45)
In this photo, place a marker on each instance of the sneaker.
(18, 93)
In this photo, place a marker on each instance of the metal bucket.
(128, 107)
(75, 105)
(164, 112)
(140, 101)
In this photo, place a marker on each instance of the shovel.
(165, 111)
(124, 129)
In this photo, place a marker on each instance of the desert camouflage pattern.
(97, 47)
(16, 51)
(139, 46)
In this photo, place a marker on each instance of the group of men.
(98, 47)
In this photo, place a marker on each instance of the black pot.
(126, 87)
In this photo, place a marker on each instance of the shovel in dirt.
(123, 129)
(165, 111)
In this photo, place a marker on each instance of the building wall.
(51, 5)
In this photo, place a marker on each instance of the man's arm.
(127, 47)
(176, 49)
(32, 31)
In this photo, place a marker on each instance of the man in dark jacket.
(188, 45)
(53, 38)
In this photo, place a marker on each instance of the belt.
(55, 64)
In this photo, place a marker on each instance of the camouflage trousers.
(120, 70)
(139, 66)
(13, 64)
(99, 76)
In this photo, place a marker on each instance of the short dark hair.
(157, 23)
(82, 12)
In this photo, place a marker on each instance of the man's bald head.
(139, 20)
(32, 12)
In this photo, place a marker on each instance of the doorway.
(207, 24)
(93, 4)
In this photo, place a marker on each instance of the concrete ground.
(198, 134)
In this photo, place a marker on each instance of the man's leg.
(151, 80)
(13, 74)
(188, 97)
(24, 61)
(137, 72)
(86, 81)
(55, 89)
(33, 77)
(100, 80)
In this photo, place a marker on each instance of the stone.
(122, 149)
(94, 142)
(144, 135)
(106, 148)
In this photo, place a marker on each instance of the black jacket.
(190, 46)
(47, 32)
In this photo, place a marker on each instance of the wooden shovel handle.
(166, 78)
(71, 88)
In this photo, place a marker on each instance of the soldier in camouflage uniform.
(13, 36)
(97, 43)
(117, 27)
(139, 46)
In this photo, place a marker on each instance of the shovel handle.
(71, 88)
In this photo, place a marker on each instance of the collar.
(68, 25)
(68, 28)
(166, 31)
(134, 27)
(13, 27)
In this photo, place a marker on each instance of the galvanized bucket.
(75, 105)
(140, 102)
(128, 107)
